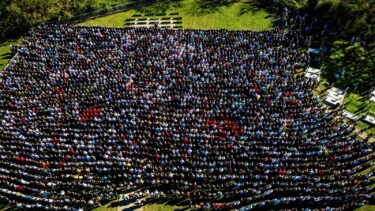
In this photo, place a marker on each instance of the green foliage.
(356, 60)
(18, 16)
(350, 16)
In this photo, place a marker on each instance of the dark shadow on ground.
(250, 7)
(205, 7)
(6, 56)
(132, 208)
(160, 7)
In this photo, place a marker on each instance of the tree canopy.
(18, 16)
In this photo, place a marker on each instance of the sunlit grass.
(5, 54)
(366, 208)
(243, 15)
(160, 207)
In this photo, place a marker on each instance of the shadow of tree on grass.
(6, 56)
(249, 7)
(202, 7)
(160, 7)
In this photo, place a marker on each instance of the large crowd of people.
(218, 117)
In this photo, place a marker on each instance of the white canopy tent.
(372, 96)
(313, 73)
(335, 96)
(350, 115)
(370, 119)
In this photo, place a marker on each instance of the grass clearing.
(160, 207)
(5, 54)
(366, 208)
(362, 125)
(198, 14)
(107, 207)
(321, 89)
(361, 106)
(357, 103)
(114, 20)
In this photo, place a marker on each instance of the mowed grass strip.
(242, 15)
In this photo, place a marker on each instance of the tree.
(351, 65)
(18, 16)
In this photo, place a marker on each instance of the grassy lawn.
(160, 207)
(5, 54)
(107, 207)
(112, 2)
(360, 106)
(366, 208)
(199, 14)
(355, 103)
(321, 89)
(115, 20)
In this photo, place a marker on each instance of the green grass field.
(5, 54)
(366, 208)
(199, 14)
(160, 207)
(360, 105)
(107, 207)
(321, 89)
